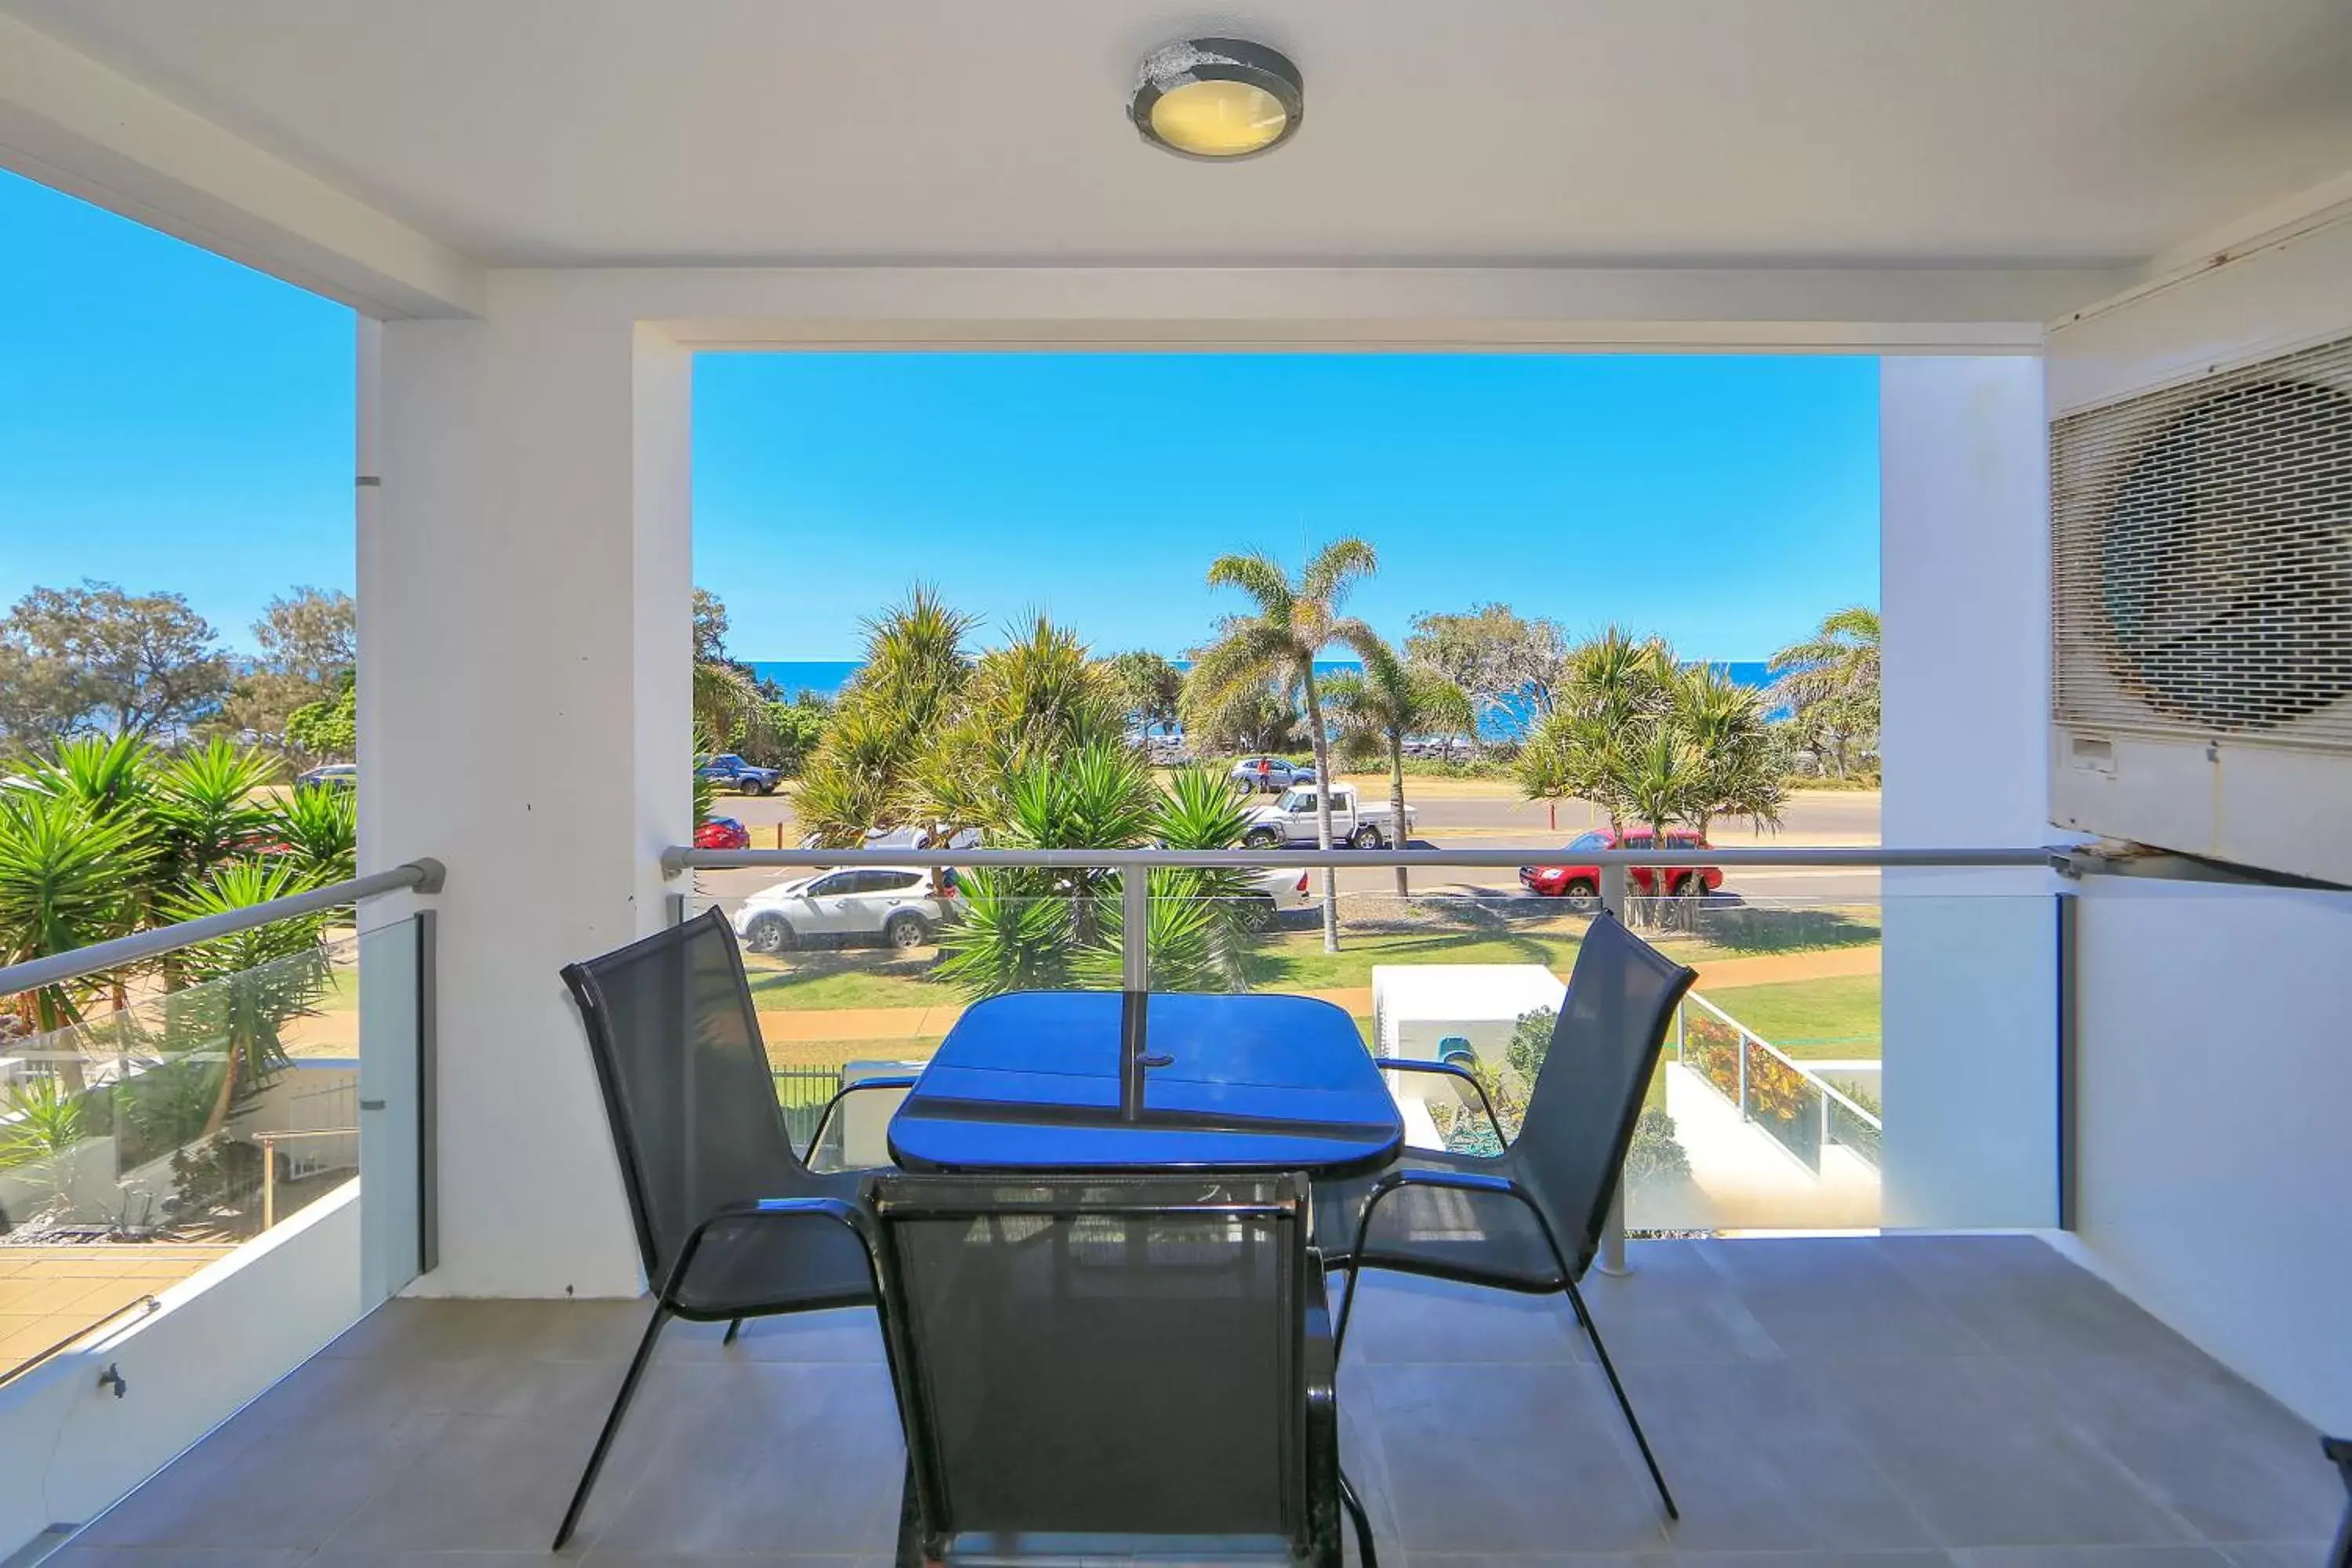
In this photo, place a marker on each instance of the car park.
(902, 905)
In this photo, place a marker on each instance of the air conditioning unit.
(2201, 616)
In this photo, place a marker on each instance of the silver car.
(898, 904)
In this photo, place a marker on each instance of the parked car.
(1581, 884)
(1359, 825)
(732, 771)
(903, 905)
(335, 775)
(1269, 775)
(722, 833)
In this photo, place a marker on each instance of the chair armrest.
(825, 1117)
(1456, 1180)
(777, 1211)
(1459, 1182)
(1450, 1069)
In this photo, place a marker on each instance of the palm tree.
(113, 779)
(1378, 709)
(1023, 928)
(1723, 721)
(861, 775)
(321, 828)
(1613, 684)
(68, 878)
(247, 986)
(1662, 778)
(1040, 698)
(1278, 646)
(1830, 681)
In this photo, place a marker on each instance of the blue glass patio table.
(1078, 1081)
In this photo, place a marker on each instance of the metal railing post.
(1614, 880)
(268, 1180)
(1135, 928)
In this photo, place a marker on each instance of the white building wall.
(1969, 1015)
(525, 584)
(2214, 1075)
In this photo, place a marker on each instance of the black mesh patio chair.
(703, 1146)
(1529, 1218)
(1115, 1366)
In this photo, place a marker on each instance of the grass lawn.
(1809, 1019)
(848, 977)
(1294, 959)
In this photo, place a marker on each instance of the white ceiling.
(1441, 131)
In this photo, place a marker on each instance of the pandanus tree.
(1615, 684)
(68, 878)
(1295, 621)
(245, 988)
(1388, 700)
(1039, 929)
(862, 774)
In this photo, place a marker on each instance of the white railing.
(1831, 1098)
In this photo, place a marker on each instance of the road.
(1482, 814)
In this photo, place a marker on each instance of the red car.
(722, 833)
(1582, 883)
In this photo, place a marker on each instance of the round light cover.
(1216, 98)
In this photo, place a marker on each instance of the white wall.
(2214, 1066)
(2215, 1149)
(69, 1448)
(1969, 1014)
(524, 624)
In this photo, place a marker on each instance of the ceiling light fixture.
(1216, 98)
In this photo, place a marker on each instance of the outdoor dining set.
(1100, 1251)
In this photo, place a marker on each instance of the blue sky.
(171, 420)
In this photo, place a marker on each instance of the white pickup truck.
(1291, 820)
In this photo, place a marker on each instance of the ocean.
(828, 677)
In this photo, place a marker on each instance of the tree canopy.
(1830, 684)
(1651, 740)
(94, 659)
(1510, 666)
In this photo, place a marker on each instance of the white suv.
(897, 904)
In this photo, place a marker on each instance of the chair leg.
(1361, 1520)
(1592, 1332)
(1347, 1310)
(612, 1425)
(734, 1328)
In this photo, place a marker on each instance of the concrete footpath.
(802, 1025)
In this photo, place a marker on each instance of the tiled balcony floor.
(1925, 1400)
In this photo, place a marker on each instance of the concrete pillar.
(524, 597)
(1970, 1079)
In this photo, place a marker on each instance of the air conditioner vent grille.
(2202, 557)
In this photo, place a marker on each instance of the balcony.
(1924, 1400)
(1927, 1397)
